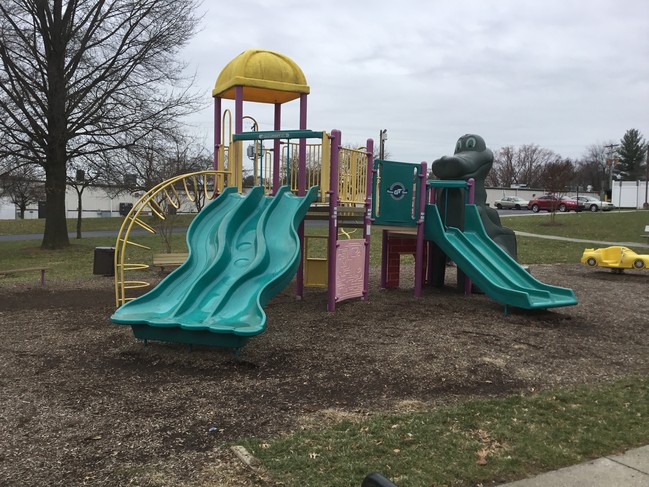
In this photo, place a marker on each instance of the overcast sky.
(562, 74)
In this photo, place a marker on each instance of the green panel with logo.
(396, 193)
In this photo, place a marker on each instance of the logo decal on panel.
(397, 191)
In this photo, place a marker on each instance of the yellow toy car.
(617, 258)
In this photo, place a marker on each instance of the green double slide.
(498, 275)
(242, 251)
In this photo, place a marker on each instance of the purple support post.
(368, 218)
(467, 281)
(301, 172)
(277, 153)
(217, 130)
(419, 252)
(238, 109)
(431, 196)
(429, 264)
(301, 191)
(384, 259)
(471, 184)
(233, 165)
(333, 221)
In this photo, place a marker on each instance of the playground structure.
(341, 175)
(339, 183)
(406, 204)
(243, 249)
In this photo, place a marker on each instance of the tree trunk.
(56, 155)
(56, 227)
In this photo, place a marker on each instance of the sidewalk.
(630, 469)
(591, 242)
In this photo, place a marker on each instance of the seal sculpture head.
(471, 159)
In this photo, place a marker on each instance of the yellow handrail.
(352, 169)
(203, 180)
(352, 176)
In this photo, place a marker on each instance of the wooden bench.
(169, 261)
(42, 270)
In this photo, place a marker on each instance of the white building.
(95, 203)
(630, 194)
(626, 194)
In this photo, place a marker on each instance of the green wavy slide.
(242, 251)
(498, 275)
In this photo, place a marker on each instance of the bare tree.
(522, 165)
(152, 160)
(505, 169)
(593, 169)
(557, 177)
(83, 77)
(23, 187)
(147, 162)
(197, 188)
(80, 176)
(533, 160)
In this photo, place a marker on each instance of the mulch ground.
(84, 403)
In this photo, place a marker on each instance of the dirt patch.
(84, 403)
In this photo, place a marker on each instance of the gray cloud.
(561, 74)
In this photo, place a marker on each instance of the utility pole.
(611, 162)
(383, 136)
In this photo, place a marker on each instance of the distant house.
(96, 203)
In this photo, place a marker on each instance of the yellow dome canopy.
(266, 77)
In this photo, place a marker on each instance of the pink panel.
(350, 269)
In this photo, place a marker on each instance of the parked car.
(511, 202)
(595, 204)
(616, 257)
(549, 202)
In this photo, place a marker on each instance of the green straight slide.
(498, 275)
(242, 251)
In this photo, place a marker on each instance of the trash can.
(124, 208)
(104, 262)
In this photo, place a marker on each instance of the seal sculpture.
(472, 159)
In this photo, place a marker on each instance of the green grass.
(613, 226)
(37, 226)
(542, 251)
(475, 442)
(76, 261)
(626, 226)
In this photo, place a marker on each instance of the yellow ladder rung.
(188, 193)
(135, 284)
(158, 210)
(137, 245)
(144, 225)
(133, 267)
(170, 199)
